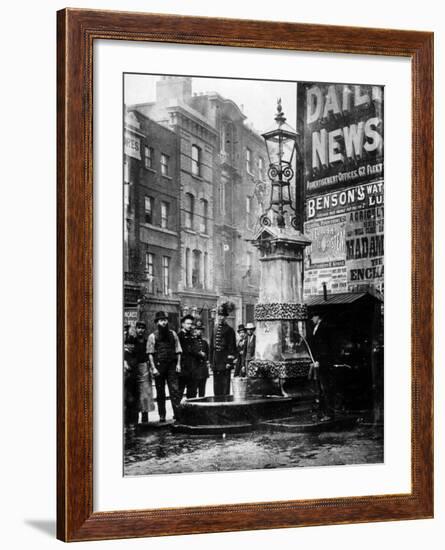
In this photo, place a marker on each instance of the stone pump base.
(285, 378)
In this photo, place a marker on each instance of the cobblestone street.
(160, 452)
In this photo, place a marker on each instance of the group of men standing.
(182, 361)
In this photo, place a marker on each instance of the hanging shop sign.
(132, 145)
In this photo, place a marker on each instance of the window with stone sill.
(165, 161)
(196, 269)
(204, 216)
(164, 215)
(260, 168)
(148, 156)
(196, 160)
(249, 160)
(149, 271)
(189, 210)
(165, 275)
(149, 202)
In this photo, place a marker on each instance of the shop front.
(355, 322)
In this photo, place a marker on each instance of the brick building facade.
(152, 220)
(196, 152)
(222, 166)
(239, 171)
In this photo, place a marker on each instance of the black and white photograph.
(253, 274)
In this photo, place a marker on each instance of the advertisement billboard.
(342, 131)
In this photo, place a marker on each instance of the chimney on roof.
(177, 88)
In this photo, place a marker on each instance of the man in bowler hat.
(321, 345)
(222, 352)
(164, 353)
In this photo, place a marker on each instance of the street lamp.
(281, 352)
(282, 147)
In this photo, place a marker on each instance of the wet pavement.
(161, 452)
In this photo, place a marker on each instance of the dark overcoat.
(321, 344)
(190, 354)
(202, 370)
(222, 348)
(250, 348)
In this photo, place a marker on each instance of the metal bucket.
(239, 386)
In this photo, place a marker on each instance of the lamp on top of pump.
(282, 150)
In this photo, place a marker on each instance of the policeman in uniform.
(202, 372)
(222, 352)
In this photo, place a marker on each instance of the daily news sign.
(342, 129)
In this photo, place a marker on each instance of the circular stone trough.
(225, 414)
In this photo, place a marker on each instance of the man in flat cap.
(164, 353)
(222, 352)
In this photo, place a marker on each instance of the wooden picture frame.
(77, 31)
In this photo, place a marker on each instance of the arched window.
(204, 216)
(189, 210)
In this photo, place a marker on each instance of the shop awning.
(341, 298)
